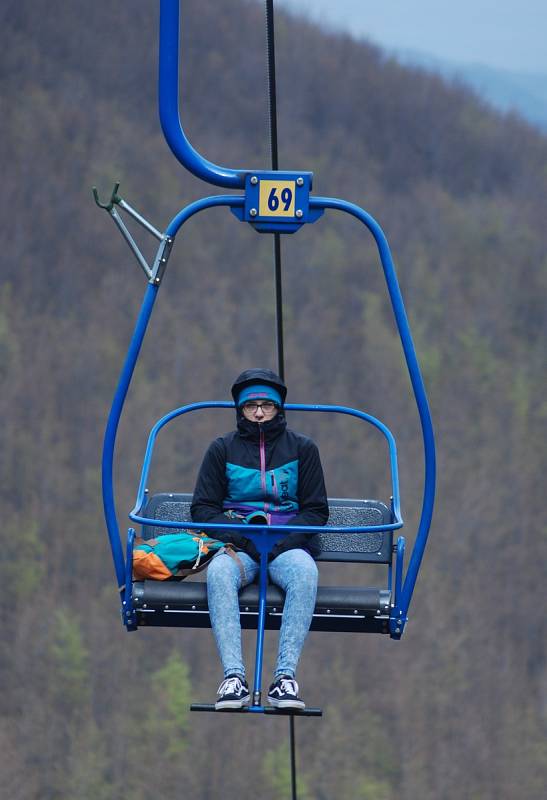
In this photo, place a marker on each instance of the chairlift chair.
(359, 530)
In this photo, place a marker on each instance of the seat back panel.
(369, 547)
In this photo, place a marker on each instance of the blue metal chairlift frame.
(264, 538)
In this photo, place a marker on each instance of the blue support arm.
(168, 91)
(109, 504)
(417, 386)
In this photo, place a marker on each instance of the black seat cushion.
(184, 603)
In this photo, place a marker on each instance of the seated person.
(266, 469)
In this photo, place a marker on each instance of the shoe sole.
(222, 704)
(286, 703)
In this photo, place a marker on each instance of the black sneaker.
(233, 692)
(283, 693)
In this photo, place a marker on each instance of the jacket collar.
(251, 430)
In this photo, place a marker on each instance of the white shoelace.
(289, 686)
(230, 686)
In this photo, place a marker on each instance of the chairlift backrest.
(366, 546)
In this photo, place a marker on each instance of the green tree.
(87, 767)
(169, 697)
(70, 662)
(22, 568)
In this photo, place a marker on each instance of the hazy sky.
(510, 34)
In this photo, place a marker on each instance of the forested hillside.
(458, 708)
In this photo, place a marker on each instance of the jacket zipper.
(263, 467)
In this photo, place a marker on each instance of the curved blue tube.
(177, 412)
(273, 529)
(232, 200)
(109, 504)
(417, 386)
(168, 90)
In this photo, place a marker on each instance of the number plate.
(277, 202)
(276, 198)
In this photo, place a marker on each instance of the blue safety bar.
(136, 514)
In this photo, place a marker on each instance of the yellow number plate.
(276, 199)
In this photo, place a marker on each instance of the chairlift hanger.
(278, 202)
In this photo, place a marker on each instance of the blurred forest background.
(458, 709)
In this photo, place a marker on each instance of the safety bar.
(141, 492)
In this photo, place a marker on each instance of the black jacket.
(264, 467)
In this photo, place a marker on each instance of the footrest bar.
(281, 712)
